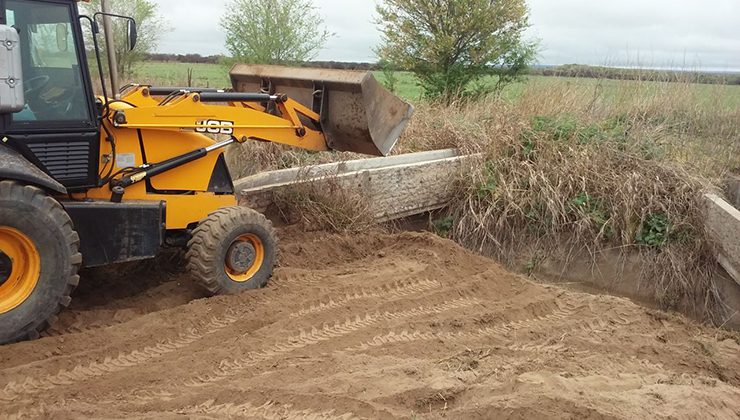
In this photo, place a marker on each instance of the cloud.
(196, 28)
(682, 33)
(638, 32)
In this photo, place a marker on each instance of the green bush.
(655, 230)
(488, 183)
(443, 226)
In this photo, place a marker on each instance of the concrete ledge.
(732, 188)
(275, 178)
(396, 186)
(723, 223)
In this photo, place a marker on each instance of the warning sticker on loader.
(125, 160)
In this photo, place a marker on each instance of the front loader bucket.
(357, 113)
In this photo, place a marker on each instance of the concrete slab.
(723, 223)
(275, 178)
(732, 188)
(399, 186)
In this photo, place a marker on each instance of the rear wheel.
(232, 250)
(39, 260)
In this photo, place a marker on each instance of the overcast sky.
(652, 33)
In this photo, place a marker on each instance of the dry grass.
(254, 157)
(569, 170)
(564, 198)
(696, 126)
(328, 206)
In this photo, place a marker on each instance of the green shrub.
(593, 210)
(655, 231)
(488, 183)
(443, 226)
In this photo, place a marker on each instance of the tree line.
(615, 73)
(219, 59)
(568, 70)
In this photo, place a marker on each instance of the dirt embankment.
(371, 326)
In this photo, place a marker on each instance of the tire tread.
(203, 247)
(32, 195)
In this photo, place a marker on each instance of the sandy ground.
(370, 326)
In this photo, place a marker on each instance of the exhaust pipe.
(110, 47)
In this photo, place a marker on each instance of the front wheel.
(39, 259)
(232, 250)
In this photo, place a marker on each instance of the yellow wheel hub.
(244, 257)
(21, 264)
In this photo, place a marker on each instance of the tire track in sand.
(269, 411)
(283, 280)
(37, 412)
(617, 364)
(397, 290)
(287, 276)
(229, 367)
(110, 365)
(139, 356)
(560, 315)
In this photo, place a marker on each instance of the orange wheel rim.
(244, 273)
(25, 262)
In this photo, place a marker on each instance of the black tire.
(212, 241)
(44, 222)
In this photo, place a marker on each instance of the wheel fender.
(14, 166)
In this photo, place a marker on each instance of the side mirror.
(62, 37)
(132, 35)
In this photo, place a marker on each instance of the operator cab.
(55, 124)
(53, 78)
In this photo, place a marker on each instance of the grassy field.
(176, 74)
(216, 75)
(710, 95)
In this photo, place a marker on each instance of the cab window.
(52, 77)
(52, 46)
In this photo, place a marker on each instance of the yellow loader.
(89, 181)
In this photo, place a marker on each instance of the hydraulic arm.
(237, 117)
(242, 116)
